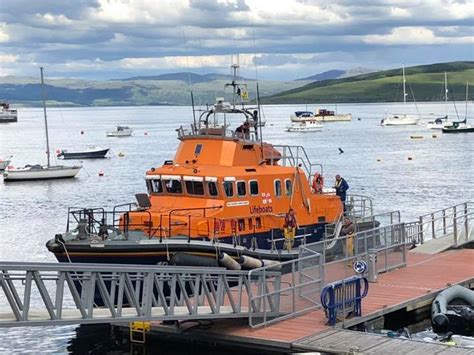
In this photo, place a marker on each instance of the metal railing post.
(420, 232)
(433, 232)
(455, 228)
(466, 226)
(444, 222)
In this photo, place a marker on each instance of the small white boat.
(38, 171)
(439, 123)
(4, 163)
(305, 126)
(399, 120)
(7, 114)
(120, 131)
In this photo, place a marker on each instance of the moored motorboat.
(322, 115)
(91, 152)
(223, 192)
(459, 127)
(309, 125)
(8, 114)
(120, 131)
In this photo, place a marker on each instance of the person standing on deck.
(289, 229)
(341, 187)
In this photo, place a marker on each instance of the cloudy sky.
(288, 39)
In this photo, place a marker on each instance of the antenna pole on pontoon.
(43, 94)
(467, 88)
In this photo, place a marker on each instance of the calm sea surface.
(375, 163)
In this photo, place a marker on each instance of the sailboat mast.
(43, 94)
(446, 92)
(404, 89)
(467, 89)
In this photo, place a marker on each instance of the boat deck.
(416, 284)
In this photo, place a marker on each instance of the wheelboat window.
(173, 184)
(253, 186)
(194, 188)
(278, 188)
(241, 188)
(229, 188)
(212, 188)
(288, 187)
(241, 225)
(154, 184)
(258, 223)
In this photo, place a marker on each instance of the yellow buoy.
(434, 136)
(121, 154)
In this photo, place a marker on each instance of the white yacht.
(442, 122)
(4, 163)
(38, 171)
(120, 131)
(402, 119)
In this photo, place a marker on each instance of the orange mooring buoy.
(146, 133)
(410, 158)
(82, 132)
(101, 173)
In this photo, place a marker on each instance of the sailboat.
(38, 171)
(442, 122)
(400, 119)
(461, 126)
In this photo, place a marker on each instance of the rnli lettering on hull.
(260, 209)
(237, 203)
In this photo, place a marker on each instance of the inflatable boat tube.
(247, 262)
(184, 259)
(444, 320)
(228, 262)
(272, 264)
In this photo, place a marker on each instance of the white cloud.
(413, 36)
(4, 37)
(8, 58)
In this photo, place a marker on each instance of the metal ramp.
(59, 294)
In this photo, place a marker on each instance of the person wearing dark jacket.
(341, 187)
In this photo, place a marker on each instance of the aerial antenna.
(257, 99)
(189, 78)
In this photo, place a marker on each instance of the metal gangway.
(68, 293)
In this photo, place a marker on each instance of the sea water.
(414, 176)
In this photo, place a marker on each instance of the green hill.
(424, 83)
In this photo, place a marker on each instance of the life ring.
(318, 183)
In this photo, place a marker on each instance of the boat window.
(258, 223)
(241, 224)
(250, 224)
(212, 188)
(173, 186)
(155, 186)
(241, 189)
(198, 149)
(229, 188)
(288, 187)
(278, 188)
(253, 184)
(195, 187)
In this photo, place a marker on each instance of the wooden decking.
(424, 276)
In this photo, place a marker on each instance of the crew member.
(289, 229)
(318, 183)
(341, 187)
(348, 232)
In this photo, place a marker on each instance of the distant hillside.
(168, 89)
(425, 82)
(330, 74)
(186, 77)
